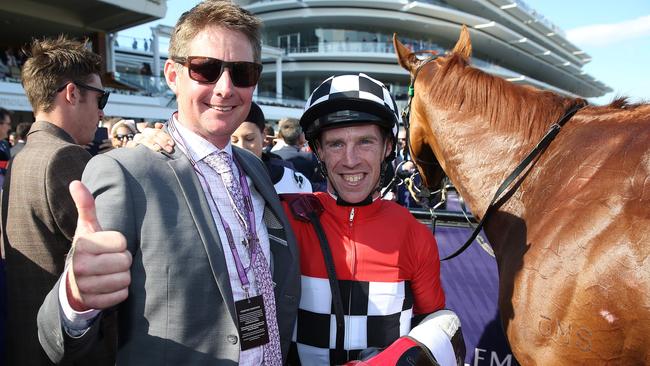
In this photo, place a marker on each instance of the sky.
(615, 33)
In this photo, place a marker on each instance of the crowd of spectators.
(11, 61)
(286, 148)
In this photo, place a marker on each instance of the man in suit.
(21, 135)
(61, 81)
(187, 267)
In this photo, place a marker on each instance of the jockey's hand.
(441, 333)
(436, 341)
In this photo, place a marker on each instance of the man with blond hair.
(61, 80)
(192, 248)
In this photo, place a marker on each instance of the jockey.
(370, 271)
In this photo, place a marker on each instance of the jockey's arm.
(435, 335)
(437, 341)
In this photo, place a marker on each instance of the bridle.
(421, 194)
(499, 197)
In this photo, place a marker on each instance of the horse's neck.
(478, 159)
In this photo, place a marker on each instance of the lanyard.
(249, 214)
(251, 237)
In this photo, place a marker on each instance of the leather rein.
(541, 146)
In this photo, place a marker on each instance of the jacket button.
(232, 339)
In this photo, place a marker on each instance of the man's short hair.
(216, 13)
(53, 62)
(289, 129)
(22, 129)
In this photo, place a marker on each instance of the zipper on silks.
(354, 269)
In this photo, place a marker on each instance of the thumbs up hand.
(99, 276)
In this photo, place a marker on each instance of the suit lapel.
(202, 216)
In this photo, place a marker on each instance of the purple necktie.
(221, 162)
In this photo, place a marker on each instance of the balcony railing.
(433, 2)
(270, 98)
(359, 47)
(148, 85)
(129, 43)
(539, 17)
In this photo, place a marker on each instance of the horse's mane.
(506, 106)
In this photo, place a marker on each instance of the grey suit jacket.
(17, 148)
(180, 307)
(39, 220)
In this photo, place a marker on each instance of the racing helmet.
(346, 100)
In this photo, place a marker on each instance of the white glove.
(436, 332)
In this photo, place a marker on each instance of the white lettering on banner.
(494, 358)
(477, 357)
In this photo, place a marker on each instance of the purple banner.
(471, 285)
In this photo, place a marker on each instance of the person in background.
(192, 250)
(4, 69)
(382, 276)
(404, 168)
(21, 137)
(123, 132)
(5, 147)
(61, 80)
(292, 142)
(250, 136)
(269, 137)
(278, 139)
(145, 69)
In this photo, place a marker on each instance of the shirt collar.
(197, 147)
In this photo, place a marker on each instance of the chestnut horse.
(572, 241)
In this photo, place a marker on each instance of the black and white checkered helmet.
(347, 100)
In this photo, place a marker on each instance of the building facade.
(324, 37)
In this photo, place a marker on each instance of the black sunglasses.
(128, 136)
(103, 97)
(208, 70)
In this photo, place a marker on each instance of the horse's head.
(424, 145)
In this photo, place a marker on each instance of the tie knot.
(220, 161)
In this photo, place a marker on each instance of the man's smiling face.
(213, 111)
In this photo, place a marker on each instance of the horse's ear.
(405, 57)
(464, 45)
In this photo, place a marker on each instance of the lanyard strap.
(249, 227)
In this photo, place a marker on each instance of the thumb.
(87, 221)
